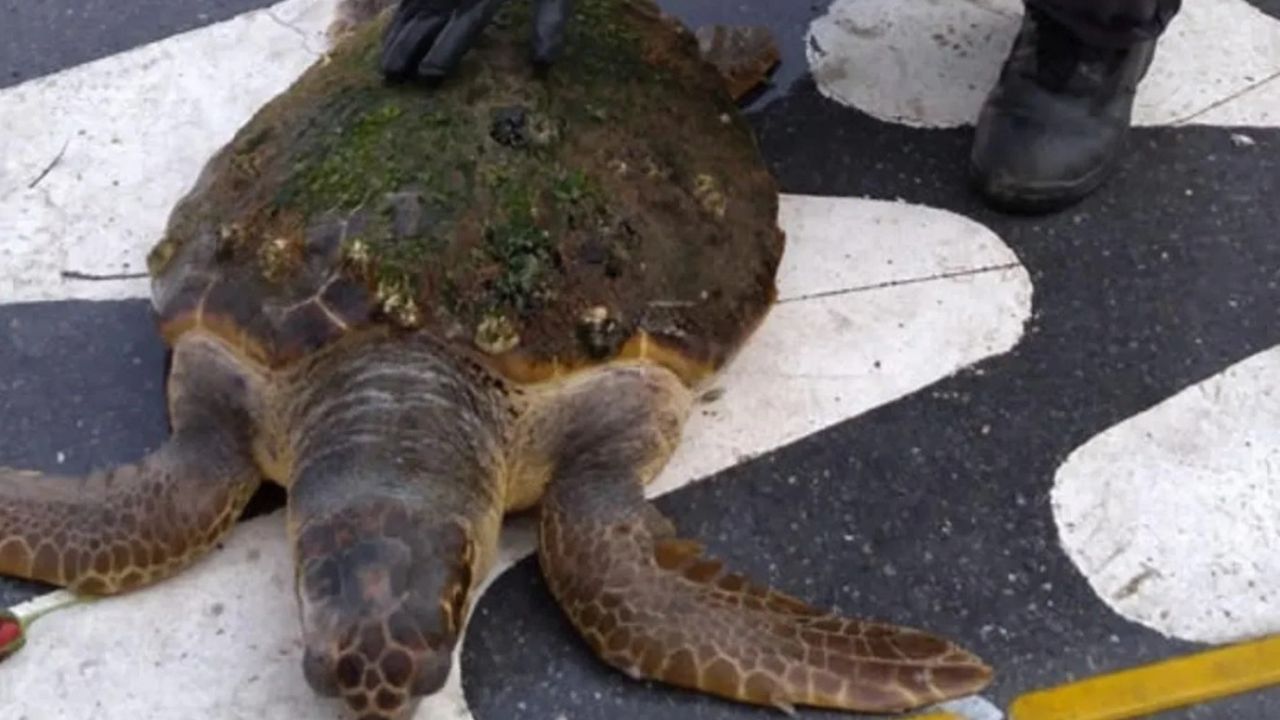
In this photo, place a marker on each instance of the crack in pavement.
(898, 283)
(306, 38)
(77, 275)
(50, 166)
(1230, 98)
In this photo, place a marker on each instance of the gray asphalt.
(38, 38)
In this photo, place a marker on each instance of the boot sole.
(1040, 199)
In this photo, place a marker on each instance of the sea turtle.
(420, 309)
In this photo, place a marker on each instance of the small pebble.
(1242, 140)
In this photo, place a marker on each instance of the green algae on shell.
(624, 179)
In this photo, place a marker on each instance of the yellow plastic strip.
(1147, 689)
(936, 716)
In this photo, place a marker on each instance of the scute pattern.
(530, 218)
(367, 586)
(270, 321)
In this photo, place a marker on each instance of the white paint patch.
(220, 641)
(1257, 106)
(974, 707)
(904, 296)
(919, 63)
(829, 350)
(137, 128)
(1174, 514)
(930, 64)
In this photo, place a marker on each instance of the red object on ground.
(10, 634)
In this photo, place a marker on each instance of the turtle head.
(383, 593)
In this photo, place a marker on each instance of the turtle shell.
(614, 206)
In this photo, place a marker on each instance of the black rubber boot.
(1053, 127)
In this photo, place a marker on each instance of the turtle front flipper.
(115, 530)
(652, 605)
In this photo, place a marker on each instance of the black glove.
(427, 38)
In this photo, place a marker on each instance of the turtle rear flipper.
(114, 530)
(654, 606)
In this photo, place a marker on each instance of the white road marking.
(930, 64)
(1174, 515)
(907, 295)
(832, 356)
(972, 708)
(1259, 105)
(220, 641)
(137, 128)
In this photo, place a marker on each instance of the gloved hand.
(427, 38)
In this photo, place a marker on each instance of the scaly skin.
(122, 528)
(653, 606)
(394, 509)
(401, 456)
